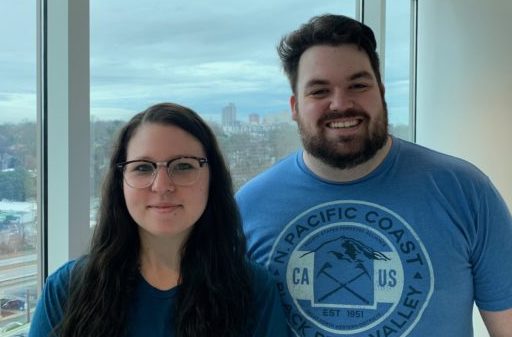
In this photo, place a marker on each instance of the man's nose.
(341, 101)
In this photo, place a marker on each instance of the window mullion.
(67, 120)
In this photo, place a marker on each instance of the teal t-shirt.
(151, 313)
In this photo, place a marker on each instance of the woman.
(167, 257)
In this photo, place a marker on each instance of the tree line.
(18, 161)
(247, 151)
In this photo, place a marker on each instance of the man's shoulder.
(434, 160)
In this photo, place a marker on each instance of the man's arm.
(498, 323)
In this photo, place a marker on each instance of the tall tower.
(229, 115)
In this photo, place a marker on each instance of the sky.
(17, 60)
(203, 54)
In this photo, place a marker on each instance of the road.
(18, 277)
(18, 273)
(23, 259)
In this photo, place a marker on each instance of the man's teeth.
(345, 124)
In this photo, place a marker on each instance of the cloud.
(199, 53)
(204, 53)
(112, 113)
(15, 108)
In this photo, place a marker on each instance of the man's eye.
(359, 86)
(319, 92)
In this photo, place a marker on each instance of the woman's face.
(165, 209)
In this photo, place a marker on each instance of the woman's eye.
(143, 168)
(182, 167)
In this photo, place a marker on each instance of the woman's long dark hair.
(215, 292)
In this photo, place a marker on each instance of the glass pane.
(18, 165)
(219, 58)
(397, 66)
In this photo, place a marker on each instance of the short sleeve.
(269, 319)
(50, 306)
(491, 259)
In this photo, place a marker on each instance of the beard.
(346, 152)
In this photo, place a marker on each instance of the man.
(369, 235)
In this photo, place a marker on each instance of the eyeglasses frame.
(156, 164)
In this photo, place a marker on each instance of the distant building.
(278, 118)
(254, 119)
(229, 115)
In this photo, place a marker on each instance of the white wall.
(464, 102)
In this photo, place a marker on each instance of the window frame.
(63, 124)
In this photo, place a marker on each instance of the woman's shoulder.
(268, 318)
(260, 276)
(62, 275)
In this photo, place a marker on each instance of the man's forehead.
(345, 62)
(308, 81)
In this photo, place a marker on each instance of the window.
(397, 68)
(219, 58)
(18, 163)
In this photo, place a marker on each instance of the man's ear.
(382, 89)
(293, 107)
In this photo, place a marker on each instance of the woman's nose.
(162, 181)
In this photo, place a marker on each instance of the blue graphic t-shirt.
(404, 251)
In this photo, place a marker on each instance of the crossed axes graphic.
(342, 285)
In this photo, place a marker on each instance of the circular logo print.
(351, 268)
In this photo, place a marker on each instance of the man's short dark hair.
(330, 30)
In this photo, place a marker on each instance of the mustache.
(350, 113)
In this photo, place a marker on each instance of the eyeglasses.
(182, 171)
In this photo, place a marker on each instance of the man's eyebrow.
(361, 75)
(315, 81)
